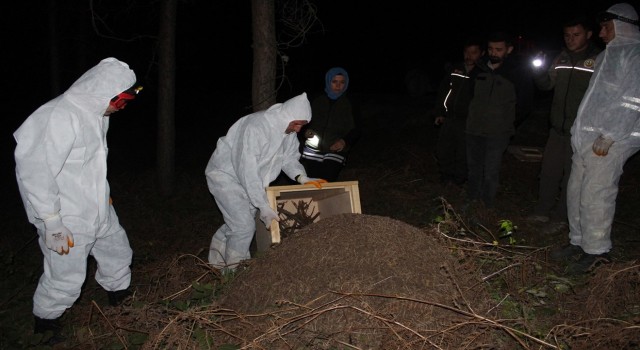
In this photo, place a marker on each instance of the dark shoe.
(116, 298)
(566, 252)
(51, 330)
(588, 262)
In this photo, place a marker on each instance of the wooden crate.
(333, 198)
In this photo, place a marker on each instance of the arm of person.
(291, 163)
(545, 77)
(246, 162)
(441, 95)
(354, 134)
(625, 107)
(43, 146)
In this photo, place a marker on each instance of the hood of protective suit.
(626, 33)
(97, 86)
(256, 149)
(281, 114)
(610, 106)
(61, 151)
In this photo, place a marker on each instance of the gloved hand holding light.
(312, 138)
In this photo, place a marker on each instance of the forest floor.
(410, 272)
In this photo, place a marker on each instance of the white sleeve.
(43, 145)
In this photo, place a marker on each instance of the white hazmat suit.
(251, 156)
(609, 112)
(61, 169)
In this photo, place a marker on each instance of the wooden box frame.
(333, 198)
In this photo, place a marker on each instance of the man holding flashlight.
(568, 76)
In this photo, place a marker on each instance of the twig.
(115, 331)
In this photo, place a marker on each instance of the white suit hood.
(61, 151)
(256, 148)
(626, 33)
(611, 105)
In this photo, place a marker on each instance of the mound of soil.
(363, 280)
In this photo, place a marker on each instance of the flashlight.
(314, 141)
(537, 62)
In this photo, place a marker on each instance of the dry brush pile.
(369, 282)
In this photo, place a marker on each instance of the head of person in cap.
(619, 22)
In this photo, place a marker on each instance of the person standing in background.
(568, 76)
(334, 130)
(502, 96)
(605, 134)
(451, 110)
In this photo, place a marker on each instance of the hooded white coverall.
(61, 169)
(611, 108)
(244, 163)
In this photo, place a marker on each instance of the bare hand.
(338, 146)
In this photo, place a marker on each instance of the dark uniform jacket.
(569, 76)
(501, 98)
(454, 93)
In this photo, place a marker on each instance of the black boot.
(566, 252)
(51, 330)
(117, 297)
(588, 263)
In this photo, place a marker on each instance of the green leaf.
(561, 288)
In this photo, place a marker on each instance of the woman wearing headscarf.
(333, 130)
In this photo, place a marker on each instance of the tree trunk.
(263, 85)
(166, 97)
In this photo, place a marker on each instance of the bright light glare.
(314, 141)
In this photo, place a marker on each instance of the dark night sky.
(377, 42)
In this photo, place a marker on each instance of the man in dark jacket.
(568, 75)
(451, 109)
(503, 94)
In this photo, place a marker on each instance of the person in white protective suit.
(246, 160)
(605, 134)
(61, 170)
